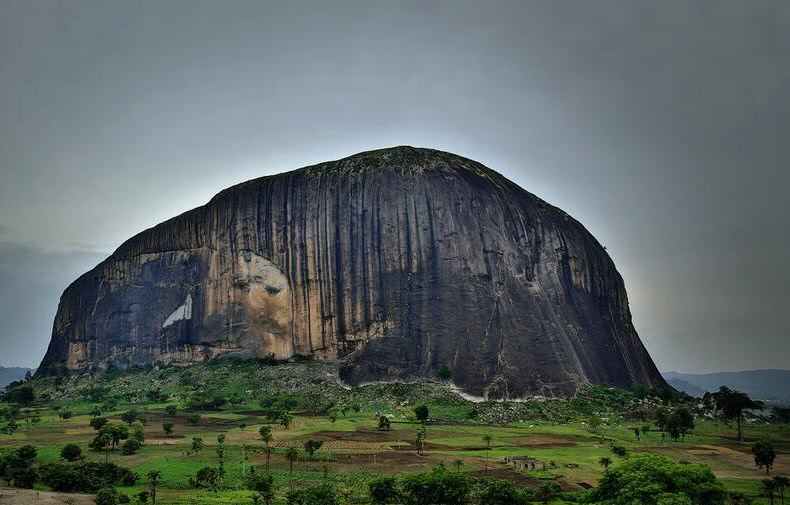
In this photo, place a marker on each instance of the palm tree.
(487, 440)
(291, 455)
(266, 436)
(781, 482)
(153, 481)
(769, 489)
(605, 462)
(736, 498)
(458, 464)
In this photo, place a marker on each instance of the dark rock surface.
(392, 262)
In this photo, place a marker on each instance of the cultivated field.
(354, 450)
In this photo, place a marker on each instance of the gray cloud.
(31, 282)
(662, 126)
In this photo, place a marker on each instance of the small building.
(525, 463)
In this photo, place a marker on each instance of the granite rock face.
(394, 263)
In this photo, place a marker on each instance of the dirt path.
(31, 497)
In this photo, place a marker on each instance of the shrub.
(85, 477)
(312, 446)
(383, 490)
(71, 452)
(171, 410)
(138, 431)
(207, 477)
(108, 496)
(131, 446)
(764, 455)
(319, 495)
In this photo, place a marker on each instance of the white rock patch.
(181, 313)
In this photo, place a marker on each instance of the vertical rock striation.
(393, 262)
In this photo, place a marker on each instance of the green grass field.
(354, 451)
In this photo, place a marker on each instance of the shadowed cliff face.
(392, 262)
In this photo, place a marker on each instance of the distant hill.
(11, 374)
(760, 384)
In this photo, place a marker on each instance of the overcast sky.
(664, 127)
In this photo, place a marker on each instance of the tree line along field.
(249, 432)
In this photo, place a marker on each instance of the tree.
(168, 428)
(221, 458)
(384, 423)
(497, 492)
(733, 405)
(266, 435)
(605, 462)
(312, 446)
(680, 422)
(71, 452)
(764, 455)
(129, 416)
(292, 455)
(780, 415)
(20, 394)
(661, 419)
(108, 496)
(781, 482)
(737, 498)
(171, 410)
(443, 373)
(11, 427)
(769, 489)
(153, 481)
(17, 467)
(197, 445)
(436, 487)
(193, 418)
(130, 447)
(419, 442)
(263, 488)
(286, 419)
(654, 479)
(383, 490)
(109, 436)
(97, 422)
(637, 433)
(65, 414)
(422, 413)
(138, 431)
(95, 411)
(487, 440)
(207, 477)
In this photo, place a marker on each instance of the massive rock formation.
(394, 262)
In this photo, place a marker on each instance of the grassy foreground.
(569, 436)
